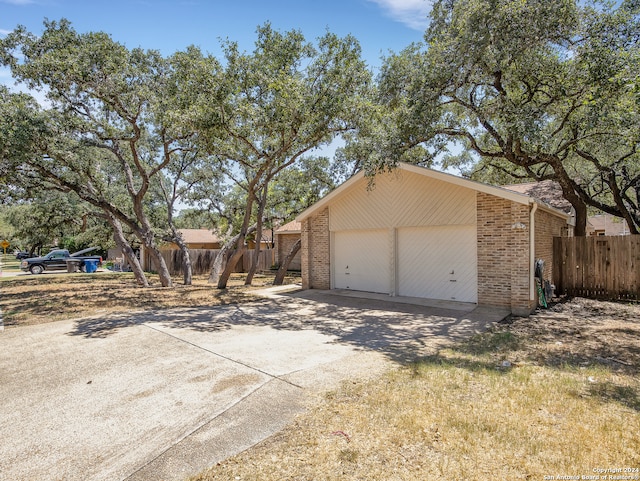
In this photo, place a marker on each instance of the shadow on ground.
(402, 332)
(595, 340)
(574, 335)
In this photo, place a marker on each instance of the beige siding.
(402, 199)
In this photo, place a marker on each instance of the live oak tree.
(542, 89)
(109, 107)
(28, 135)
(272, 107)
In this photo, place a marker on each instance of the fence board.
(599, 267)
(202, 260)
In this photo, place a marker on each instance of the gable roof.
(501, 192)
(199, 236)
(293, 227)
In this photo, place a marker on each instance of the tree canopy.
(134, 133)
(113, 124)
(270, 108)
(542, 89)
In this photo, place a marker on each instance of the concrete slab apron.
(291, 361)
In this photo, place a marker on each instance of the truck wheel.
(36, 269)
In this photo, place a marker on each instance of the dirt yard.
(579, 332)
(28, 300)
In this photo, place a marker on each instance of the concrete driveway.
(161, 395)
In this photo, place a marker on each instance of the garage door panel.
(361, 260)
(438, 262)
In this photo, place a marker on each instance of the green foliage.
(54, 219)
(543, 88)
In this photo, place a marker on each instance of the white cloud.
(412, 13)
(4, 31)
(18, 2)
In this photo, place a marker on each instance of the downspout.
(532, 253)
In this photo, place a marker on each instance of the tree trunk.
(187, 267)
(219, 263)
(256, 251)
(573, 198)
(127, 251)
(147, 237)
(617, 198)
(240, 241)
(231, 263)
(161, 265)
(223, 264)
(255, 257)
(284, 267)
(581, 219)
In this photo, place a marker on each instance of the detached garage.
(423, 233)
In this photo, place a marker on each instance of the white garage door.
(362, 260)
(438, 263)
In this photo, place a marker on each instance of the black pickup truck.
(60, 259)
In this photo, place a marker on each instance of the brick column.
(315, 256)
(503, 253)
(520, 260)
(304, 252)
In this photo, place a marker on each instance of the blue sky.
(170, 25)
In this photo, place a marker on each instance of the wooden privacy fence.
(597, 267)
(202, 260)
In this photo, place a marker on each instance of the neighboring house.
(199, 239)
(285, 237)
(548, 192)
(606, 224)
(423, 233)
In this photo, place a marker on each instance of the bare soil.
(578, 332)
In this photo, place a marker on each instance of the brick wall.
(503, 253)
(547, 227)
(315, 252)
(284, 242)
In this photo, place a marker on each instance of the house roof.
(547, 191)
(441, 176)
(199, 236)
(293, 227)
(266, 236)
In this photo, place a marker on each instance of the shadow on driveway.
(402, 332)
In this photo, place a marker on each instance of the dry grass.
(27, 300)
(560, 406)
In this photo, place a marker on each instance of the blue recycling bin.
(90, 266)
